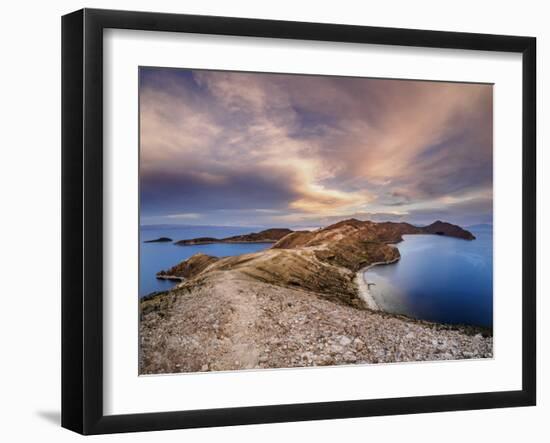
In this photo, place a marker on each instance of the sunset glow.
(251, 149)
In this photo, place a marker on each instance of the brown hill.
(188, 268)
(441, 228)
(323, 261)
(267, 236)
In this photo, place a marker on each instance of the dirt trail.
(242, 351)
(230, 321)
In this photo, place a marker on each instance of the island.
(267, 236)
(159, 240)
(297, 303)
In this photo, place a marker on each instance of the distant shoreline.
(222, 241)
(169, 277)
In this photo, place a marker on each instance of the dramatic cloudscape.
(253, 149)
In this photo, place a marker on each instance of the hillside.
(324, 261)
(298, 291)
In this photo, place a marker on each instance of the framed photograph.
(268, 221)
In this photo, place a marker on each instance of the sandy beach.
(363, 285)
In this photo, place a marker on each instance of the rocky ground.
(231, 321)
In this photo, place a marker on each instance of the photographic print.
(291, 220)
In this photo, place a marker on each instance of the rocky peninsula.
(267, 236)
(297, 303)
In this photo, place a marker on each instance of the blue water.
(155, 257)
(442, 279)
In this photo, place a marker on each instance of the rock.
(345, 341)
(350, 357)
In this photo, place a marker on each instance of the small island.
(159, 240)
(272, 235)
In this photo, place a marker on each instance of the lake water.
(155, 257)
(438, 278)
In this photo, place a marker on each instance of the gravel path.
(230, 322)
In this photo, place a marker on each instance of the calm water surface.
(439, 278)
(158, 256)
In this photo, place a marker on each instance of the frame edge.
(529, 220)
(72, 221)
(82, 194)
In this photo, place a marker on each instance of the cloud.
(310, 146)
(184, 216)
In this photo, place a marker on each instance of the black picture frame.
(82, 218)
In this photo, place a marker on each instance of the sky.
(282, 150)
